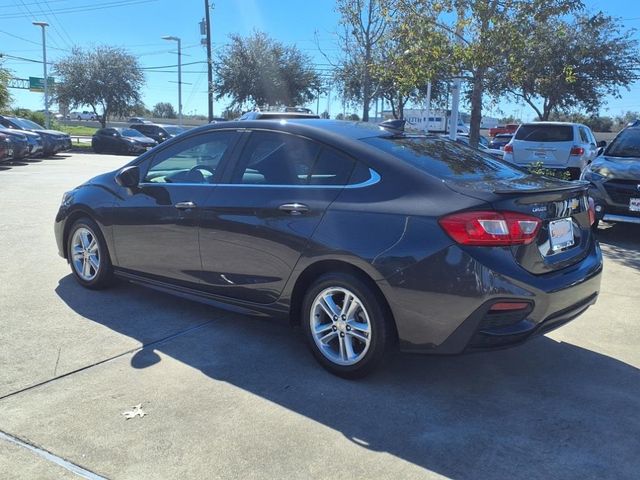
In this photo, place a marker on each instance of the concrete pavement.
(228, 396)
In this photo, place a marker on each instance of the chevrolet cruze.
(365, 236)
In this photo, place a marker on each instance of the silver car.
(559, 145)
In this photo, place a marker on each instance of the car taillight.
(490, 228)
(577, 151)
(508, 148)
(592, 211)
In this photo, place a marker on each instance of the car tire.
(348, 344)
(88, 255)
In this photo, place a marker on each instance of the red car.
(508, 128)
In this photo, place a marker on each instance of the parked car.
(6, 149)
(53, 141)
(277, 115)
(614, 179)
(159, 133)
(500, 140)
(34, 144)
(556, 145)
(84, 115)
(19, 145)
(482, 146)
(508, 128)
(138, 120)
(125, 141)
(360, 234)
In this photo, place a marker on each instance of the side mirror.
(128, 177)
(601, 144)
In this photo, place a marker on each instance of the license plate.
(634, 204)
(561, 234)
(540, 154)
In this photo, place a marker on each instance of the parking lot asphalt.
(229, 396)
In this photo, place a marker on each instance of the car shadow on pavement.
(543, 410)
(621, 243)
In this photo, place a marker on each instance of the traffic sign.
(36, 84)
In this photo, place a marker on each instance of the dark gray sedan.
(364, 236)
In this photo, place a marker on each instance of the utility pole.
(47, 121)
(428, 109)
(457, 85)
(177, 39)
(209, 61)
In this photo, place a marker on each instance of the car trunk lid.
(563, 207)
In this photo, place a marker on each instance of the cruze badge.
(539, 209)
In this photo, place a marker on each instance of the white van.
(560, 145)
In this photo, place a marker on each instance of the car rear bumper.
(449, 310)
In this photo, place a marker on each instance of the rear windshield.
(545, 133)
(445, 159)
(626, 145)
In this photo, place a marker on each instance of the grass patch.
(77, 130)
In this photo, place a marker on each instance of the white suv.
(567, 146)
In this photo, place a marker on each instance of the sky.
(138, 25)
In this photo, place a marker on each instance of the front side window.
(193, 160)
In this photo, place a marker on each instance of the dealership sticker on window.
(634, 204)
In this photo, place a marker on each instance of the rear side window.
(584, 136)
(331, 168)
(444, 159)
(272, 158)
(545, 133)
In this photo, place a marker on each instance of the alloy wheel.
(85, 254)
(340, 326)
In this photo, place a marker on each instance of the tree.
(572, 64)
(364, 24)
(260, 71)
(107, 79)
(140, 110)
(405, 65)
(594, 122)
(485, 32)
(164, 110)
(5, 96)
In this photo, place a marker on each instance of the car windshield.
(174, 130)
(130, 132)
(445, 159)
(24, 123)
(545, 133)
(625, 145)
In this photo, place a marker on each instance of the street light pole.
(177, 39)
(47, 121)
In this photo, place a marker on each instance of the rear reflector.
(508, 148)
(506, 306)
(491, 228)
(577, 151)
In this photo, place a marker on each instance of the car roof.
(342, 128)
(553, 123)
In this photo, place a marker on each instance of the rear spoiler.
(575, 185)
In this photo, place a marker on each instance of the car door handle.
(185, 205)
(294, 208)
